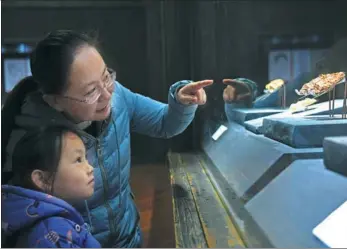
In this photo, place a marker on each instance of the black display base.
(335, 154)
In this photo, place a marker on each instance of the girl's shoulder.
(59, 232)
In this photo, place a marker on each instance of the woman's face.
(90, 87)
(74, 179)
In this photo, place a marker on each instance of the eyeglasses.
(92, 96)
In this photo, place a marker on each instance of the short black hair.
(38, 149)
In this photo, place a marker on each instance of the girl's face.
(74, 179)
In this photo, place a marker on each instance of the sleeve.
(156, 119)
(230, 106)
(60, 233)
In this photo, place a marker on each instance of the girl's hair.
(38, 149)
(50, 64)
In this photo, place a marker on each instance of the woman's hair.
(50, 64)
(51, 59)
(39, 149)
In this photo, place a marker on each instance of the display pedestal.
(304, 132)
(240, 116)
(256, 125)
(294, 203)
(276, 194)
(248, 161)
(335, 154)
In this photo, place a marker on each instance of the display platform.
(277, 194)
(241, 115)
(335, 154)
(296, 201)
(304, 132)
(256, 125)
(248, 161)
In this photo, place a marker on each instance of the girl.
(51, 172)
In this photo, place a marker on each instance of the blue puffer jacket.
(111, 212)
(35, 219)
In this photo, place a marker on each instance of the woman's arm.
(156, 119)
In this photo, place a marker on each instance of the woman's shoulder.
(59, 232)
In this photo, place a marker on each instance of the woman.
(51, 173)
(72, 86)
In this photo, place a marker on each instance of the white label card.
(219, 132)
(333, 230)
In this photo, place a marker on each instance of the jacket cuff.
(173, 102)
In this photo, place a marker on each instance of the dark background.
(152, 44)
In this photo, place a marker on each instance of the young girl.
(51, 172)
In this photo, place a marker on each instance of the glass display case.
(269, 153)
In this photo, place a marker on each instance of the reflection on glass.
(14, 71)
(288, 64)
(16, 48)
(295, 67)
(23, 48)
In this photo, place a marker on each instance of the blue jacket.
(111, 212)
(41, 220)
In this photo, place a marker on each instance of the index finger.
(226, 81)
(230, 81)
(199, 84)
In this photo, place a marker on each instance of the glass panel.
(14, 71)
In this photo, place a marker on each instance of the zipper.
(104, 179)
